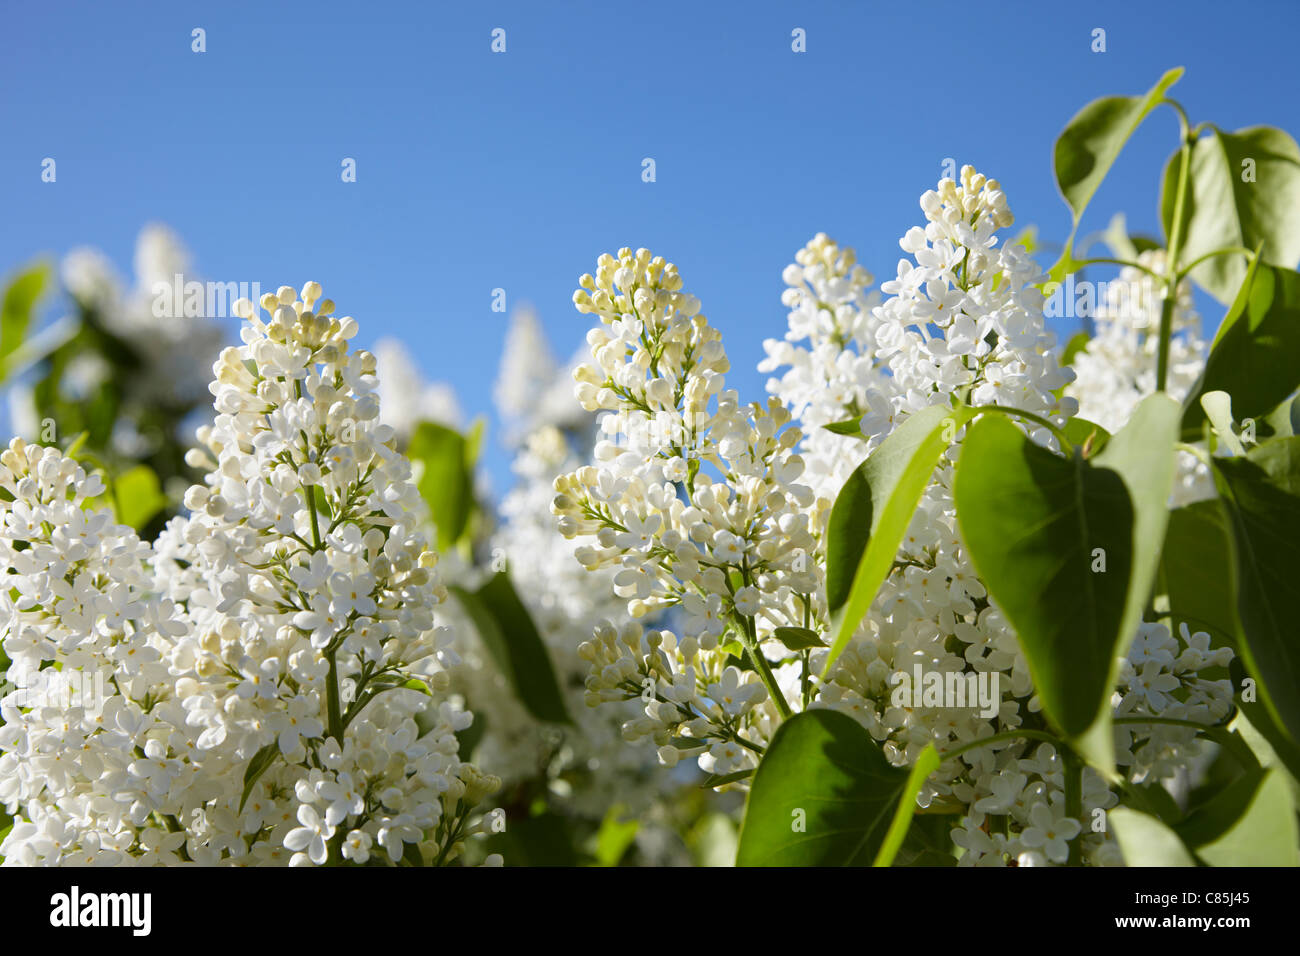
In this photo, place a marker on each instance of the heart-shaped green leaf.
(1069, 549)
(1090, 144)
(1245, 190)
(1261, 497)
(1255, 357)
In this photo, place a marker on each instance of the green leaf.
(1282, 421)
(411, 855)
(824, 795)
(1078, 343)
(1037, 524)
(1261, 497)
(1225, 208)
(138, 496)
(1033, 523)
(1268, 742)
(1117, 239)
(615, 836)
(474, 441)
(1085, 434)
(872, 512)
(735, 649)
(1092, 140)
(507, 629)
(322, 503)
(798, 638)
(929, 842)
(1142, 454)
(1090, 144)
(78, 442)
(18, 310)
(712, 841)
(1255, 357)
(1027, 239)
(542, 840)
(258, 765)
(1251, 822)
(1153, 800)
(715, 780)
(1218, 409)
(850, 426)
(1197, 571)
(447, 482)
(1145, 841)
(926, 764)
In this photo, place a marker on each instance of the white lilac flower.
(229, 645)
(83, 752)
(834, 378)
(735, 548)
(696, 500)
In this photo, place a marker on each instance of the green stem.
(1074, 801)
(1171, 721)
(1226, 251)
(769, 679)
(946, 755)
(805, 686)
(1175, 247)
(1200, 453)
(454, 833)
(1219, 733)
(749, 633)
(173, 825)
(309, 492)
(1080, 263)
(1184, 123)
(332, 699)
(334, 853)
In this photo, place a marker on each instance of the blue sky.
(478, 170)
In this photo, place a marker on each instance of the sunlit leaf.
(512, 639)
(872, 512)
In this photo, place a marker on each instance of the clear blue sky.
(479, 170)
